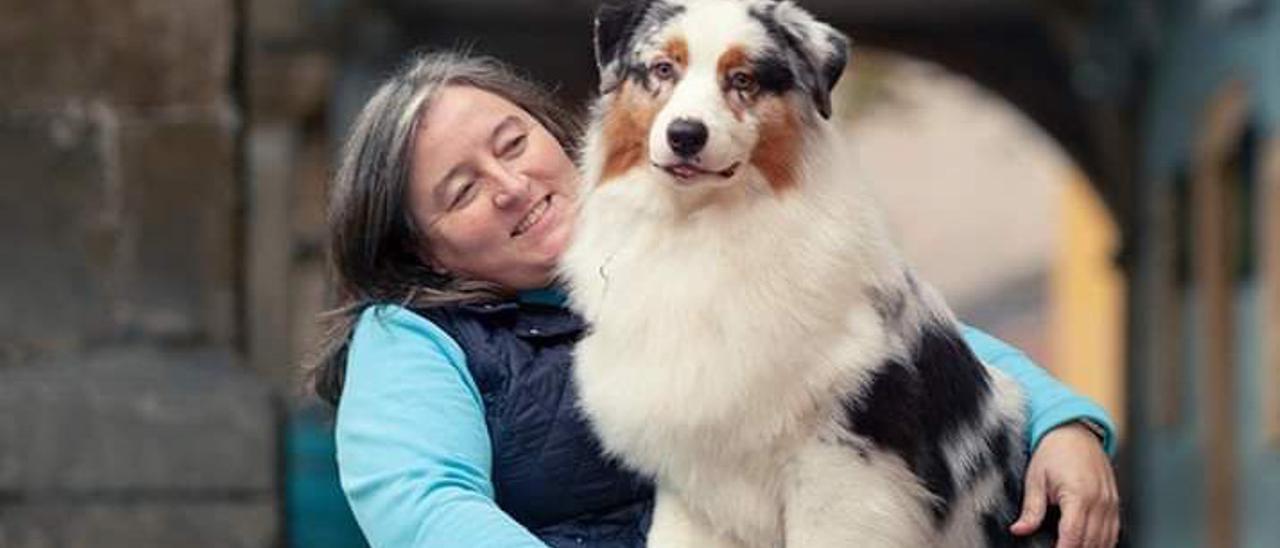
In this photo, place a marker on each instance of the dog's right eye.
(743, 82)
(663, 70)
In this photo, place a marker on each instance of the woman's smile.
(535, 215)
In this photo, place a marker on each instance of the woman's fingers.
(1070, 469)
(1090, 517)
(1074, 524)
(1112, 535)
(1034, 503)
(1099, 520)
(1108, 508)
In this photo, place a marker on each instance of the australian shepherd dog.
(757, 345)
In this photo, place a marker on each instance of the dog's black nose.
(686, 136)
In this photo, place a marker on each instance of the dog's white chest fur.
(720, 338)
(722, 345)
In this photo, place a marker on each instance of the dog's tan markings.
(777, 151)
(733, 58)
(626, 131)
(677, 50)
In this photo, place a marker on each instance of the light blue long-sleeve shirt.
(413, 449)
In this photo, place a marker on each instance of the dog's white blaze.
(709, 30)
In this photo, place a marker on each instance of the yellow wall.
(1087, 300)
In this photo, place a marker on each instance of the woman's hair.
(375, 248)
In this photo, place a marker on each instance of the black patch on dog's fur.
(773, 73)
(994, 458)
(618, 24)
(910, 409)
(1012, 487)
(995, 524)
(996, 531)
(817, 76)
(834, 67)
(777, 33)
(1000, 443)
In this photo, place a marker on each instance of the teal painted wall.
(1260, 463)
(316, 511)
(1196, 56)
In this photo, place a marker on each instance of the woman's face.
(491, 188)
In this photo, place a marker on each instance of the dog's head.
(703, 90)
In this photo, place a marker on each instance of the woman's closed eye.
(514, 146)
(463, 193)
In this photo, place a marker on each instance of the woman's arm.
(413, 448)
(1050, 403)
(1068, 467)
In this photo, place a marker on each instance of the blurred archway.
(993, 212)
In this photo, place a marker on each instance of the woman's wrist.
(1099, 431)
(1083, 425)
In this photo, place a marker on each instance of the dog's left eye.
(742, 81)
(663, 70)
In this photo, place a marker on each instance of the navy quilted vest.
(548, 471)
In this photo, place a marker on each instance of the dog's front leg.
(674, 526)
(840, 495)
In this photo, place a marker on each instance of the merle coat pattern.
(758, 346)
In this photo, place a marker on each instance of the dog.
(757, 345)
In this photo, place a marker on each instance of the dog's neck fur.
(837, 262)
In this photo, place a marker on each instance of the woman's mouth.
(531, 218)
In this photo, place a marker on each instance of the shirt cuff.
(1075, 410)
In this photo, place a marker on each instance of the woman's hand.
(1070, 469)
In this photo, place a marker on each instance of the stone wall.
(126, 418)
(118, 133)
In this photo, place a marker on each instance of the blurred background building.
(1097, 181)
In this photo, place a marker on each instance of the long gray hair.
(376, 250)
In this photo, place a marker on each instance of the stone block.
(134, 53)
(179, 186)
(273, 19)
(268, 249)
(58, 232)
(136, 423)
(287, 84)
(218, 524)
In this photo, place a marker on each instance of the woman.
(449, 356)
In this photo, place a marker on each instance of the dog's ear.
(822, 51)
(616, 24)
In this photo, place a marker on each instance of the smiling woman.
(376, 227)
(492, 189)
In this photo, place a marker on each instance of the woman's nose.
(512, 189)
